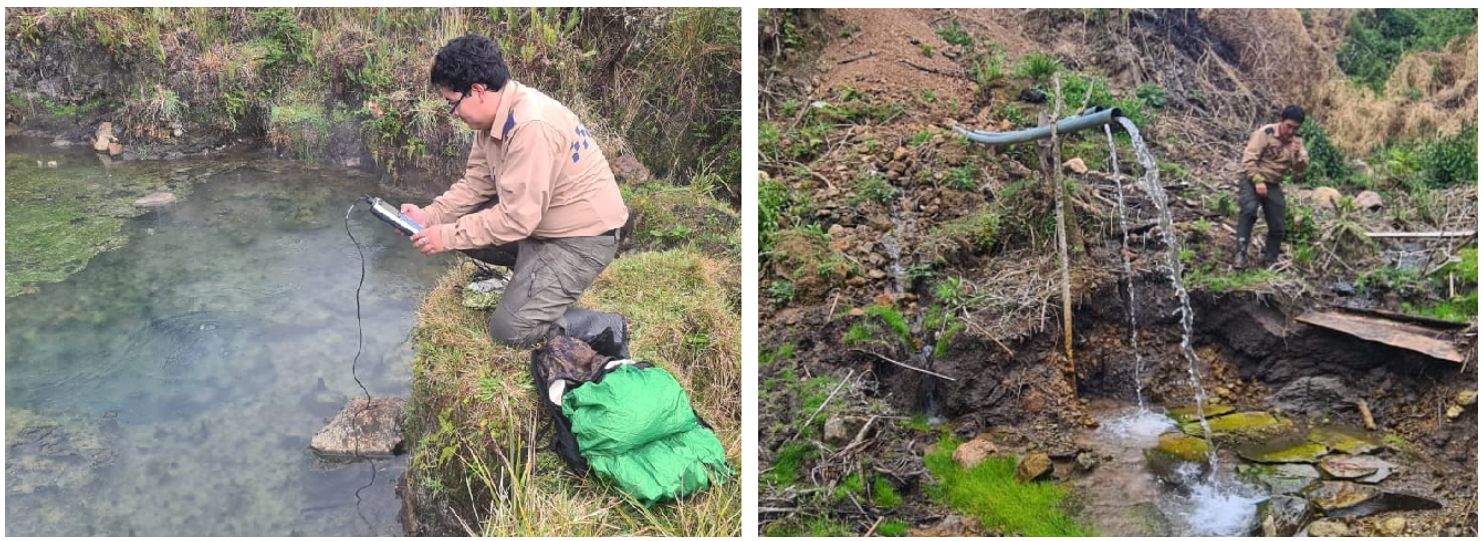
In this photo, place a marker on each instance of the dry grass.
(1432, 93)
(475, 423)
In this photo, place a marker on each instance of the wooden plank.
(1392, 333)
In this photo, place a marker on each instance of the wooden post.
(1051, 168)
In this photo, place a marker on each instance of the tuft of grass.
(954, 34)
(479, 457)
(873, 188)
(884, 495)
(990, 493)
(1039, 67)
(786, 463)
(892, 528)
(979, 231)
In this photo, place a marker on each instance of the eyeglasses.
(453, 108)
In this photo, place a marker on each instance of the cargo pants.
(1273, 207)
(548, 275)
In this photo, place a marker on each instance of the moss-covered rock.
(1348, 440)
(1183, 447)
(1247, 425)
(1187, 414)
(1284, 449)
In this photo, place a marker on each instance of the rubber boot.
(1240, 262)
(606, 332)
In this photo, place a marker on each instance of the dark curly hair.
(1294, 113)
(468, 60)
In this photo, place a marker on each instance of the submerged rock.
(1280, 478)
(1282, 516)
(1363, 468)
(1285, 449)
(1245, 425)
(157, 199)
(364, 428)
(1352, 441)
(1033, 466)
(1187, 414)
(1177, 455)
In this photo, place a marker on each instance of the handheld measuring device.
(389, 214)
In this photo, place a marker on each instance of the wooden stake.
(1365, 414)
(1061, 237)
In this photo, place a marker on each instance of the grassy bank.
(474, 425)
(306, 79)
(990, 493)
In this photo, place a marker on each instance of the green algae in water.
(1187, 414)
(58, 219)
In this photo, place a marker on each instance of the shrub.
(1376, 40)
(1327, 164)
(1450, 161)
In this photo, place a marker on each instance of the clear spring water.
(177, 380)
(1172, 258)
(1122, 494)
(1128, 272)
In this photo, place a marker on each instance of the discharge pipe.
(1093, 117)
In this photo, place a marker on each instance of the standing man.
(1274, 152)
(537, 196)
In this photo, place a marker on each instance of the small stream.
(1124, 498)
(172, 386)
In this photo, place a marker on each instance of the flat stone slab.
(1348, 440)
(1283, 450)
(1340, 498)
(1243, 425)
(1347, 499)
(1281, 478)
(363, 429)
(1362, 468)
(1187, 414)
(157, 199)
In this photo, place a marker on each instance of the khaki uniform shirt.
(1270, 159)
(546, 170)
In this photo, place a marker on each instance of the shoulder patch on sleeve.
(1268, 130)
(509, 123)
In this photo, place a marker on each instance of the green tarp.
(637, 430)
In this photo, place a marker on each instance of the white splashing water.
(1210, 507)
(1128, 273)
(1136, 428)
(1172, 257)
